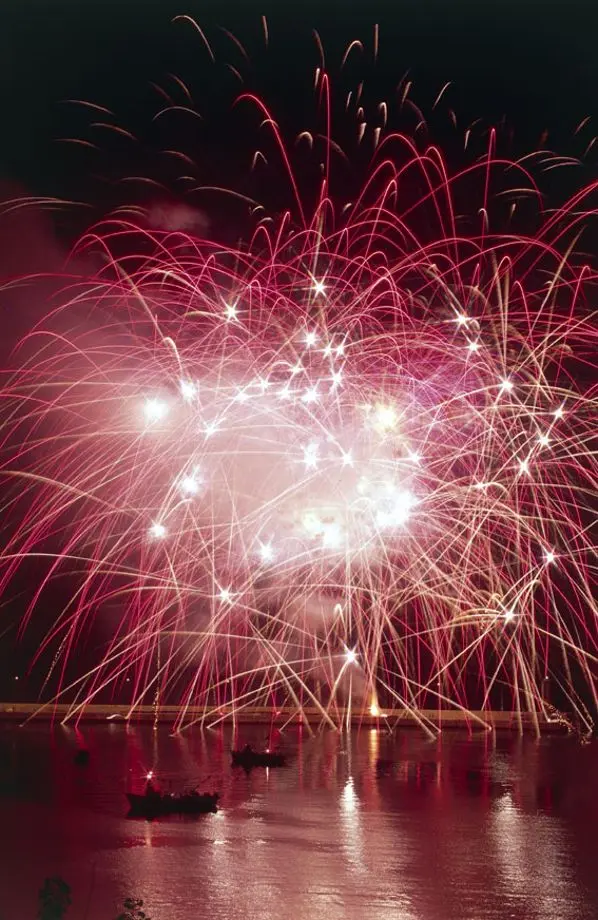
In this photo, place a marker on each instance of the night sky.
(528, 64)
(532, 62)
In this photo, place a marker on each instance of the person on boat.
(151, 790)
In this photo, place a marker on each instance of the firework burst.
(349, 463)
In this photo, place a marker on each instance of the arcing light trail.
(341, 464)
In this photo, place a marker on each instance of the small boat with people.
(153, 803)
(188, 803)
(248, 758)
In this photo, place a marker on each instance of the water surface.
(457, 829)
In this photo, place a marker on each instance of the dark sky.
(533, 61)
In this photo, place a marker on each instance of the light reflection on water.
(365, 827)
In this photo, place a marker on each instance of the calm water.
(452, 830)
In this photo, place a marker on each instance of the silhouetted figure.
(150, 789)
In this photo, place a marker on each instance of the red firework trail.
(350, 462)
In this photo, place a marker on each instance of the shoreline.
(337, 717)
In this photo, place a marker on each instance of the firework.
(348, 463)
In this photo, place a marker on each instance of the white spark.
(311, 395)
(188, 390)
(157, 531)
(155, 410)
(319, 287)
(461, 319)
(331, 536)
(506, 385)
(230, 312)
(266, 552)
(386, 418)
(350, 656)
(397, 511)
(310, 456)
(310, 339)
(544, 440)
(189, 485)
(549, 557)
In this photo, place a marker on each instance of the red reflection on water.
(443, 830)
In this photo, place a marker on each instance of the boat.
(248, 758)
(154, 804)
